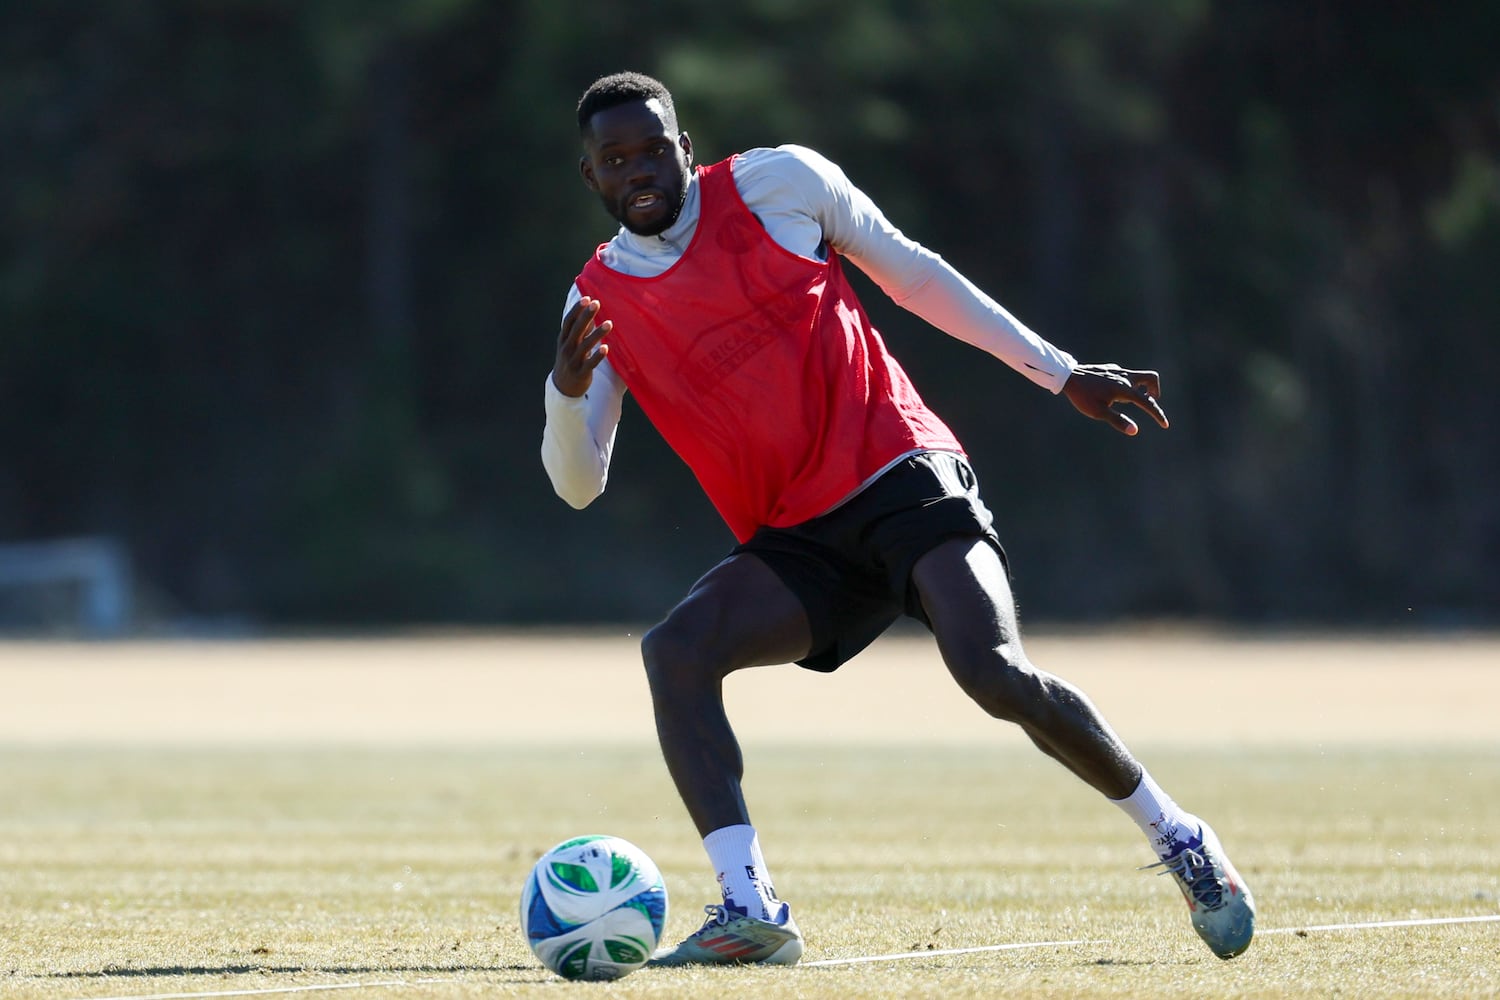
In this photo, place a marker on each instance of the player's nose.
(642, 172)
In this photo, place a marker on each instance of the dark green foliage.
(279, 284)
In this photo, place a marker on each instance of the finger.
(1106, 413)
(587, 353)
(1122, 423)
(587, 345)
(583, 305)
(1148, 380)
(579, 319)
(579, 343)
(1147, 386)
(1157, 413)
(1147, 401)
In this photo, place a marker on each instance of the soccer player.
(722, 304)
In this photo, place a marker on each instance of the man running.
(722, 305)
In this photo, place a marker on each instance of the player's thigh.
(738, 614)
(966, 595)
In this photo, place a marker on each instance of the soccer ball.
(593, 908)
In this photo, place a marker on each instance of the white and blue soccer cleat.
(1223, 911)
(732, 937)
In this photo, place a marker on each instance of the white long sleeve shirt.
(805, 203)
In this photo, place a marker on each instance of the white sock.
(734, 852)
(1162, 821)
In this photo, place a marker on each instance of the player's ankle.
(1160, 818)
(744, 883)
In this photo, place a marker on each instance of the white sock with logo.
(734, 852)
(1162, 820)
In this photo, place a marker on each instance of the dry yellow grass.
(202, 818)
(1268, 691)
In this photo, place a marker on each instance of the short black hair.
(622, 88)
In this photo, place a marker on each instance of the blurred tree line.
(280, 281)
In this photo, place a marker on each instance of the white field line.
(1307, 929)
(1377, 924)
(824, 963)
(938, 951)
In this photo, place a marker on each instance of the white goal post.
(96, 568)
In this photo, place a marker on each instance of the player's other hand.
(1095, 389)
(579, 350)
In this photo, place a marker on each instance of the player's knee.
(660, 651)
(674, 654)
(1003, 682)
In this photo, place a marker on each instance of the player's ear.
(586, 169)
(687, 147)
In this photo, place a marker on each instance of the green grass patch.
(133, 872)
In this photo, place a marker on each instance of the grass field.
(355, 818)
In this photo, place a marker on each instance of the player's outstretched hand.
(1095, 389)
(579, 350)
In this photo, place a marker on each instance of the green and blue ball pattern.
(593, 908)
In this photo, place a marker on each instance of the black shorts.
(851, 568)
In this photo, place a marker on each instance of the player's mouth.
(646, 201)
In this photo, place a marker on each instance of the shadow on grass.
(124, 972)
